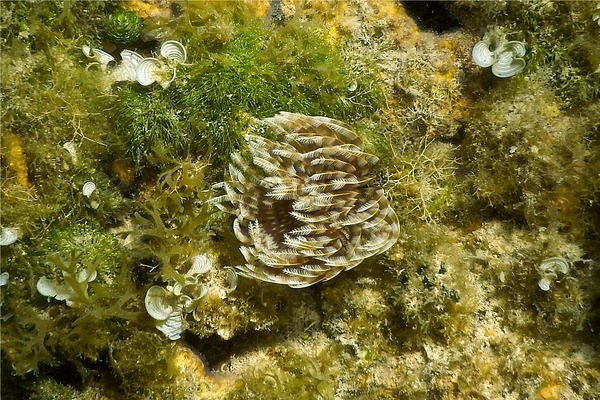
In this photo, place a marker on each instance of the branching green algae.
(489, 178)
(257, 72)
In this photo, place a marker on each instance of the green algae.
(258, 72)
(489, 177)
(123, 27)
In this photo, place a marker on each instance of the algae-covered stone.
(489, 177)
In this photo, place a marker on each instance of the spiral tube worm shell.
(7, 236)
(173, 51)
(505, 59)
(88, 188)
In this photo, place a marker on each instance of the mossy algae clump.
(123, 27)
(50, 101)
(151, 121)
(539, 150)
(91, 242)
(257, 72)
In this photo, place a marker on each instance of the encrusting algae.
(15, 158)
